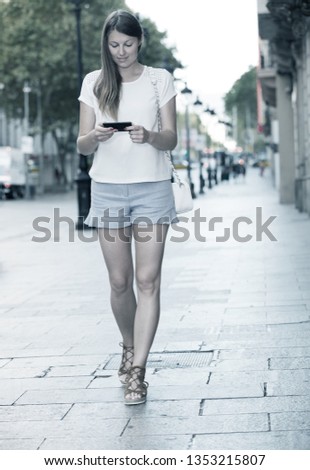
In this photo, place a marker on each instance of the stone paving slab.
(14, 346)
(198, 425)
(283, 296)
(194, 310)
(265, 376)
(269, 309)
(290, 363)
(71, 396)
(245, 318)
(185, 345)
(274, 353)
(20, 386)
(4, 362)
(22, 373)
(50, 312)
(264, 318)
(96, 347)
(61, 429)
(73, 371)
(32, 352)
(129, 442)
(20, 444)
(104, 379)
(195, 376)
(280, 303)
(9, 396)
(90, 411)
(279, 389)
(32, 413)
(255, 405)
(228, 334)
(52, 361)
(287, 331)
(304, 285)
(277, 440)
(288, 317)
(292, 421)
(177, 376)
(156, 393)
(255, 364)
(264, 342)
(190, 392)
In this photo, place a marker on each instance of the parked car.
(179, 161)
(12, 173)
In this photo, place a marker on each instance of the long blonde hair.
(107, 88)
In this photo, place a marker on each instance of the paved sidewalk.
(230, 365)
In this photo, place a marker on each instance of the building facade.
(284, 80)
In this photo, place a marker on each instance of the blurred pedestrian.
(57, 174)
(212, 170)
(262, 167)
(131, 183)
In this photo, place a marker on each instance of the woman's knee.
(120, 284)
(148, 283)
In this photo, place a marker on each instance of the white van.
(12, 173)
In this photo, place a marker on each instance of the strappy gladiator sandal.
(136, 388)
(127, 358)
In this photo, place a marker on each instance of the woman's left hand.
(138, 134)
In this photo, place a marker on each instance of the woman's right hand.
(91, 134)
(102, 134)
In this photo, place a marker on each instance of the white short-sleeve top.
(119, 160)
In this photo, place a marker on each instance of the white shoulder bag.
(181, 191)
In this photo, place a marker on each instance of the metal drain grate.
(169, 360)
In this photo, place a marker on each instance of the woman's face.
(123, 48)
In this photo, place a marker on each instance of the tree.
(38, 45)
(241, 101)
(154, 52)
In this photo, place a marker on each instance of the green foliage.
(259, 145)
(243, 93)
(154, 52)
(242, 97)
(39, 46)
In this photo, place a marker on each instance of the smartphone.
(120, 126)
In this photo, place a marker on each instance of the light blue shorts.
(121, 205)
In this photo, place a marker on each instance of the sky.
(216, 40)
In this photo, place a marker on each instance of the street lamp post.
(198, 104)
(26, 91)
(83, 179)
(39, 124)
(2, 133)
(187, 92)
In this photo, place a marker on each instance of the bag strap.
(167, 153)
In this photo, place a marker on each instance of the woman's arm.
(167, 138)
(90, 135)
(164, 140)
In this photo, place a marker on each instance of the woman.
(131, 193)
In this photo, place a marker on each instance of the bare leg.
(116, 249)
(149, 256)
